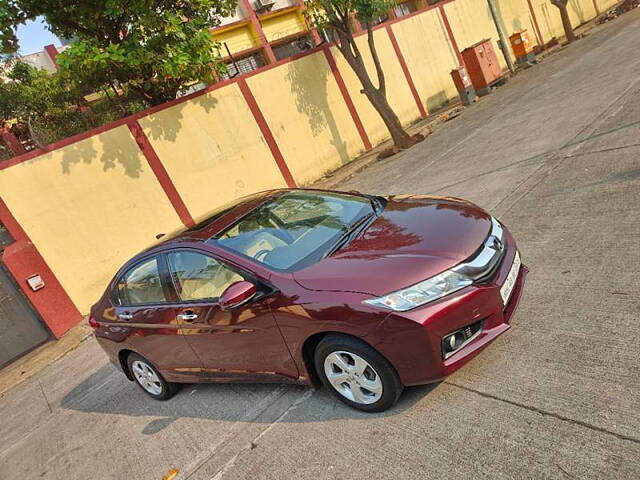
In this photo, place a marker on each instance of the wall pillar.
(452, 37)
(161, 173)
(52, 52)
(347, 98)
(407, 73)
(541, 41)
(12, 141)
(314, 31)
(257, 28)
(23, 260)
(266, 132)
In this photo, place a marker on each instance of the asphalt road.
(556, 155)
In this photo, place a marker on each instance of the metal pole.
(503, 40)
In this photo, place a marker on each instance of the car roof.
(217, 220)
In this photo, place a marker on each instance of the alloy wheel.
(146, 377)
(353, 377)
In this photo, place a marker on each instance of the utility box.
(522, 47)
(482, 65)
(464, 86)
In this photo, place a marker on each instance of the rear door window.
(141, 285)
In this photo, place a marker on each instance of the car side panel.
(243, 343)
(301, 313)
(152, 332)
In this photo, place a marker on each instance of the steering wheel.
(263, 252)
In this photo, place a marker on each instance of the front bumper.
(412, 341)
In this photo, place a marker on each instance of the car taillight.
(93, 323)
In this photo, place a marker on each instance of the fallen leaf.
(171, 474)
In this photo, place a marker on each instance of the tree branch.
(382, 84)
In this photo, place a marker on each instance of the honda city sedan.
(362, 293)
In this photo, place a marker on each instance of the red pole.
(311, 28)
(257, 27)
(12, 141)
(535, 24)
(452, 38)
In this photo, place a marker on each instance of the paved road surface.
(556, 155)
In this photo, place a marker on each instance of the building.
(266, 31)
(45, 59)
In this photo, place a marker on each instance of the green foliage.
(43, 108)
(32, 96)
(335, 18)
(150, 48)
(33, 92)
(335, 14)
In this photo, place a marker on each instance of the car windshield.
(295, 229)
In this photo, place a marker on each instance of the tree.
(335, 16)
(155, 48)
(566, 21)
(43, 108)
(34, 98)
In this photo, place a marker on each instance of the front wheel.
(357, 374)
(149, 379)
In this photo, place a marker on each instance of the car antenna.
(160, 235)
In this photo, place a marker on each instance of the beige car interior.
(199, 277)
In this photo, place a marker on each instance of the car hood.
(416, 237)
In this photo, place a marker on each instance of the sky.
(33, 36)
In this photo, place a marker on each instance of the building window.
(292, 47)
(381, 19)
(238, 66)
(404, 9)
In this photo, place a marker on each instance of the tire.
(149, 378)
(370, 384)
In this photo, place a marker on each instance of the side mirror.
(237, 294)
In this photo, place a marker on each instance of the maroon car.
(365, 294)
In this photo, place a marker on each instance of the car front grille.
(486, 261)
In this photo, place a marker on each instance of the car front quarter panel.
(307, 314)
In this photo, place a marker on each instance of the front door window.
(198, 277)
(240, 343)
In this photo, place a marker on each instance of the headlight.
(424, 292)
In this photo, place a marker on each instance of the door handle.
(125, 316)
(188, 316)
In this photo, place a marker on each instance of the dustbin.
(464, 86)
(483, 66)
(522, 47)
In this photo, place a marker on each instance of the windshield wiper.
(376, 204)
(347, 233)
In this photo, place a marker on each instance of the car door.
(243, 343)
(146, 317)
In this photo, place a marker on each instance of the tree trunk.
(376, 96)
(566, 21)
(400, 137)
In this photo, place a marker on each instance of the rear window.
(141, 285)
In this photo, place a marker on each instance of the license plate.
(507, 287)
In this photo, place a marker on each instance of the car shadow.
(107, 391)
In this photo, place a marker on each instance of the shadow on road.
(107, 391)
